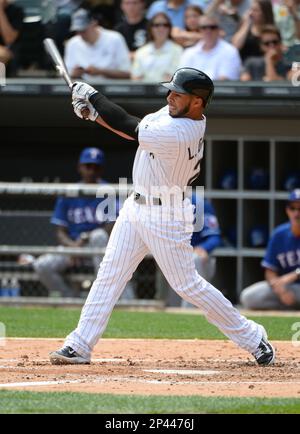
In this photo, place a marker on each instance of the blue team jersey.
(79, 214)
(283, 250)
(210, 236)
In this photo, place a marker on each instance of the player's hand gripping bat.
(60, 66)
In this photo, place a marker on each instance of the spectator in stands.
(11, 19)
(281, 289)
(191, 33)
(105, 11)
(79, 222)
(134, 24)
(64, 11)
(216, 57)
(204, 242)
(158, 59)
(246, 39)
(174, 9)
(229, 13)
(95, 51)
(287, 19)
(272, 65)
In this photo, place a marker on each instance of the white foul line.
(143, 381)
(39, 383)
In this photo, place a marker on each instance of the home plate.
(182, 371)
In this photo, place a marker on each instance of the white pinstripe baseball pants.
(170, 245)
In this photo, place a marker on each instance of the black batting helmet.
(193, 82)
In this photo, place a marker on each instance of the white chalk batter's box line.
(104, 360)
(16, 367)
(143, 381)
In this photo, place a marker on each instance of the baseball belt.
(142, 200)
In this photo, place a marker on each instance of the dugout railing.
(26, 232)
(25, 228)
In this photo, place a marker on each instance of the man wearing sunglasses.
(271, 66)
(212, 54)
(281, 289)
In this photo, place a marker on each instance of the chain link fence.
(26, 233)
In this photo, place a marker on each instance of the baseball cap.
(294, 195)
(81, 19)
(91, 156)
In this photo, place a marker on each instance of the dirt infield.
(152, 367)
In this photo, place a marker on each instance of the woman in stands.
(158, 59)
(247, 38)
(191, 34)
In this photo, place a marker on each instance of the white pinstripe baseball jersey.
(169, 152)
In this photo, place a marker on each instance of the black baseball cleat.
(265, 353)
(67, 356)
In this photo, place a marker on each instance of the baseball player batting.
(170, 148)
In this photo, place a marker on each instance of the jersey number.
(196, 174)
(198, 159)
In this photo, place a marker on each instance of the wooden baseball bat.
(60, 66)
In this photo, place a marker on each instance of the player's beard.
(181, 113)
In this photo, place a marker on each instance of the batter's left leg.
(174, 256)
(124, 252)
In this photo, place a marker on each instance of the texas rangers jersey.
(283, 251)
(169, 153)
(81, 214)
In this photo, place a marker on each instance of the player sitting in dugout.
(281, 289)
(79, 222)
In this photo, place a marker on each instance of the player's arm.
(104, 112)
(286, 279)
(102, 122)
(65, 240)
(8, 32)
(210, 243)
(279, 285)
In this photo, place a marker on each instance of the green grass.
(38, 402)
(57, 322)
